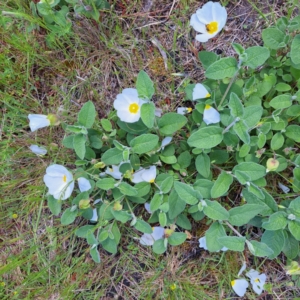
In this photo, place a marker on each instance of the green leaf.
(177, 238)
(206, 137)
(87, 114)
(221, 185)
(295, 53)
(184, 159)
(251, 170)
(165, 182)
(110, 245)
(222, 68)
(235, 105)
(144, 86)
(171, 122)
(293, 132)
(281, 101)
(241, 129)
(95, 255)
(256, 56)
(183, 222)
(215, 211)
(143, 226)
(159, 246)
(54, 205)
(274, 240)
(241, 215)
(170, 160)
(121, 215)
(203, 165)
(68, 141)
(215, 231)
(294, 228)
(277, 141)
(291, 246)
(106, 184)
(252, 115)
(144, 143)
(207, 58)
(112, 156)
(186, 193)
(259, 249)
(177, 205)
(68, 216)
(106, 125)
(127, 189)
(273, 38)
(79, 145)
(233, 242)
(84, 230)
(276, 221)
(156, 202)
(282, 87)
(244, 150)
(148, 114)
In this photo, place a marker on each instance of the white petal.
(224, 249)
(83, 184)
(202, 243)
(166, 141)
(283, 187)
(114, 172)
(97, 201)
(181, 110)
(38, 121)
(197, 25)
(158, 112)
(211, 116)
(38, 150)
(147, 207)
(137, 176)
(199, 91)
(205, 14)
(149, 175)
(158, 233)
(147, 239)
(252, 274)
(95, 215)
(203, 38)
(243, 268)
(240, 286)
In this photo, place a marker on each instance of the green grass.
(41, 259)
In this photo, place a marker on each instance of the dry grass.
(39, 258)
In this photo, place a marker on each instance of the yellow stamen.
(232, 282)
(64, 178)
(151, 180)
(207, 95)
(189, 109)
(212, 27)
(134, 108)
(257, 280)
(207, 106)
(14, 216)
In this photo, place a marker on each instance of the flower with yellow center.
(128, 105)
(210, 115)
(144, 175)
(240, 286)
(200, 92)
(59, 182)
(257, 280)
(209, 20)
(184, 110)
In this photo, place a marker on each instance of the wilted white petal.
(147, 207)
(166, 141)
(95, 215)
(223, 249)
(59, 182)
(158, 112)
(83, 184)
(240, 286)
(200, 92)
(202, 243)
(243, 268)
(40, 151)
(38, 121)
(210, 115)
(283, 187)
(257, 280)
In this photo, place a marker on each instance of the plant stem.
(233, 229)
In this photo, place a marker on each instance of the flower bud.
(272, 164)
(84, 204)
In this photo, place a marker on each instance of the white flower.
(40, 151)
(240, 286)
(59, 182)
(184, 110)
(147, 207)
(283, 187)
(83, 184)
(38, 121)
(128, 105)
(200, 92)
(210, 115)
(114, 172)
(202, 244)
(257, 280)
(148, 239)
(209, 20)
(166, 141)
(144, 175)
